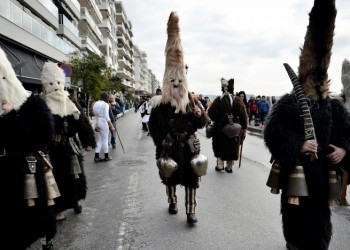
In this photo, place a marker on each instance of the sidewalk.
(256, 130)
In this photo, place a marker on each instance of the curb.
(256, 130)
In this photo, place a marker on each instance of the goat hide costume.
(308, 225)
(175, 106)
(225, 148)
(173, 122)
(24, 130)
(72, 132)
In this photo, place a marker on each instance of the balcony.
(90, 22)
(87, 44)
(95, 11)
(21, 27)
(106, 24)
(68, 30)
(105, 9)
(74, 6)
(46, 10)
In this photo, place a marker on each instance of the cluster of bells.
(30, 188)
(297, 186)
(167, 166)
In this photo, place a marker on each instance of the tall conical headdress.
(175, 89)
(345, 80)
(317, 50)
(174, 61)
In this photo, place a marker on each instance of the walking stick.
(240, 154)
(116, 130)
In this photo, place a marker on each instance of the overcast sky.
(248, 40)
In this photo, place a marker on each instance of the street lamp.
(186, 67)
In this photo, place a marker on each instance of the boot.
(229, 166)
(78, 208)
(48, 245)
(191, 218)
(107, 158)
(172, 199)
(219, 164)
(190, 203)
(97, 158)
(173, 208)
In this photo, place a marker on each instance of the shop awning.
(27, 64)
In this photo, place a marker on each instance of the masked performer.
(173, 123)
(344, 172)
(73, 131)
(26, 128)
(307, 134)
(225, 110)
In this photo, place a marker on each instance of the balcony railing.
(50, 7)
(15, 15)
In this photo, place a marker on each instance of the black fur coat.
(63, 158)
(307, 226)
(224, 147)
(159, 126)
(22, 132)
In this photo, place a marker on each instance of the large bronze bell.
(334, 190)
(296, 185)
(273, 180)
(51, 187)
(199, 164)
(30, 190)
(166, 166)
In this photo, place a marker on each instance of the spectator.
(113, 115)
(243, 97)
(263, 109)
(203, 102)
(253, 109)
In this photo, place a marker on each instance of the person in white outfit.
(101, 112)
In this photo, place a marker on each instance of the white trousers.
(102, 142)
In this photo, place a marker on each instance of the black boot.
(107, 158)
(48, 246)
(191, 218)
(78, 208)
(173, 208)
(97, 158)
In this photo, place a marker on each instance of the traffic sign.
(67, 69)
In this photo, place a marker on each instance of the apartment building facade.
(35, 31)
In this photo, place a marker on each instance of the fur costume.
(173, 115)
(308, 225)
(226, 148)
(345, 79)
(72, 132)
(25, 130)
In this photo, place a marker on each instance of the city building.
(36, 31)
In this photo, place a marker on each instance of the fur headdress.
(175, 89)
(53, 80)
(345, 79)
(317, 50)
(11, 89)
